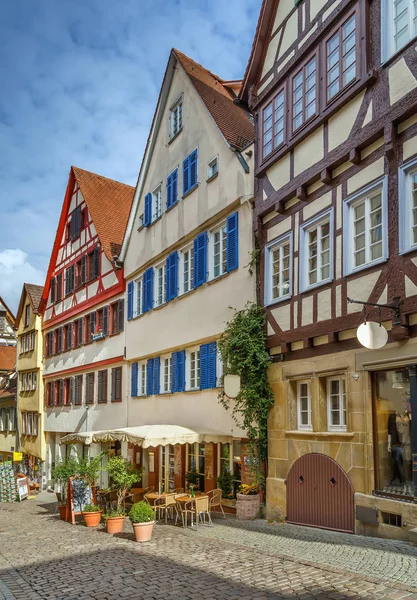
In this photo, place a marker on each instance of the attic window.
(175, 118)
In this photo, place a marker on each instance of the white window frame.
(35, 424)
(142, 378)
(271, 246)
(210, 167)
(405, 206)
(159, 301)
(189, 363)
(175, 109)
(342, 404)
(190, 250)
(29, 381)
(387, 29)
(305, 229)
(138, 297)
(223, 249)
(34, 381)
(157, 203)
(366, 192)
(165, 374)
(309, 425)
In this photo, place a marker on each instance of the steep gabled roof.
(233, 122)
(34, 293)
(7, 358)
(9, 314)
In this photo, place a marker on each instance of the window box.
(97, 336)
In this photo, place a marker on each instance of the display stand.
(8, 489)
(80, 493)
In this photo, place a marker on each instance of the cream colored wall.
(8, 439)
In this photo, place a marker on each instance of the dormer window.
(175, 118)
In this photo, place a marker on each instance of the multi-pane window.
(399, 25)
(166, 374)
(175, 118)
(336, 403)
(316, 253)
(303, 405)
(117, 316)
(138, 310)
(278, 270)
(341, 57)
(365, 237)
(193, 361)
(273, 124)
(304, 94)
(213, 167)
(157, 203)
(219, 251)
(187, 271)
(159, 282)
(142, 379)
(408, 206)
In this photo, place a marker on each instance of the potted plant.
(142, 518)
(248, 501)
(192, 477)
(225, 482)
(123, 476)
(64, 469)
(92, 515)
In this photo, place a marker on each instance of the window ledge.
(155, 220)
(159, 306)
(212, 177)
(314, 286)
(190, 191)
(218, 278)
(172, 206)
(386, 62)
(374, 263)
(174, 137)
(323, 434)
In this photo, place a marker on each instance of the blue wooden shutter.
(186, 175)
(169, 192)
(172, 276)
(130, 300)
(148, 210)
(204, 367)
(156, 374)
(212, 365)
(232, 246)
(181, 371)
(149, 377)
(174, 192)
(193, 162)
(134, 380)
(174, 380)
(200, 259)
(148, 290)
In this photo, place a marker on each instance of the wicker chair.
(167, 505)
(201, 508)
(215, 497)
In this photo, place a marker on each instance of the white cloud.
(14, 271)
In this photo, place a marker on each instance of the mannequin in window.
(396, 449)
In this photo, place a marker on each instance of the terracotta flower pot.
(247, 507)
(92, 519)
(143, 531)
(115, 524)
(62, 512)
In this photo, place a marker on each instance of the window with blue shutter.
(190, 172)
(174, 380)
(130, 300)
(148, 290)
(208, 366)
(200, 259)
(156, 374)
(172, 188)
(180, 371)
(134, 380)
(172, 276)
(149, 377)
(148, 210)
(232, 246)
(203, 366)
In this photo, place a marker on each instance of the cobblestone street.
(42, 557)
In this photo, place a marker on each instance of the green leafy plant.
(225, 483)
(192, 477)
(243, 351)
(141, 512)
(111, 514)
(75, 465)
(91, 508)
(123, 476)
(248, 489)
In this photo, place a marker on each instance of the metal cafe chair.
(199, 510)
(167, 505)
(215, 497)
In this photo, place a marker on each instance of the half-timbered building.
(333, 88)
(83, 311)
(9, 441)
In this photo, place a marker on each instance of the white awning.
(150, 436)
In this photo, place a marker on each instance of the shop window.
(196, 459)
(304, 420)
(167, 468)
(393, 431)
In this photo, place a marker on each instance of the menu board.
(209, 463)
(177, 460)
(22, 488)
(79, 495)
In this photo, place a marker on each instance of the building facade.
(8, 418)
(30, 394)
(188, 240)
(83, 313)
(332, 85)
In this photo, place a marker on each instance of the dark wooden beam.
(326, 176)
(308, 343)
(333, 337)
(280, 207)
(355, 156)
(390, 140)
(301, 193)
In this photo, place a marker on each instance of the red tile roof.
(233, 121)
(35, 295)
(109, 203)
(7, 358)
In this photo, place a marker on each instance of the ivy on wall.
(243, 351)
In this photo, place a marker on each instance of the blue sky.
(80, 80)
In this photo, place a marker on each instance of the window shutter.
(83, 270)
(204, 366)
(149, 377)
(70, 399)
(181, 371)
(174, 189)
(193, 169)
(53, 289)
(105, 320)
(156, 374)
(113, 385)
(148, 210)
(67, 282)
(96, 258)
(172, 276)
(174, 379)
(134, 382)
(185, 175)
(212, 365)
(120, 315)
(148, 290)
(200, 259)
(232, 246)
(169, 191)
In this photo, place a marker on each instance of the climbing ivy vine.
(243, 351)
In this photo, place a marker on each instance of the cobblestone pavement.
(44, 558)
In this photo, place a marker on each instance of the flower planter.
(115, 524)
(62, 511)
(143, 531)
(231, 503)
(247, 507)
(92, 519)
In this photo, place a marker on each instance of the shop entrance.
(320, 494)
